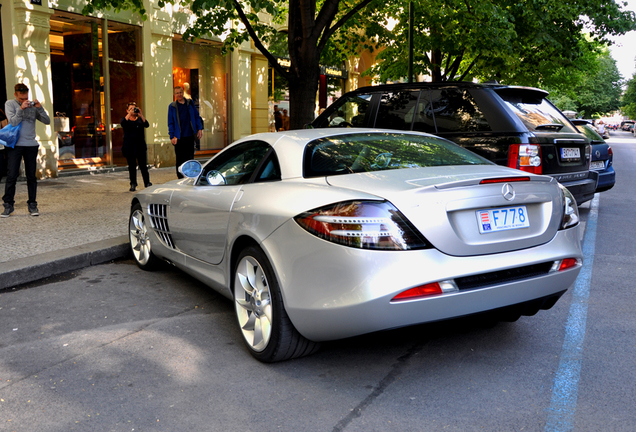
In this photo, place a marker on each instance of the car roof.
(449, 84)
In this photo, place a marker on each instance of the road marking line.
(566, 381)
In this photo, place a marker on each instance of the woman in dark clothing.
(134, 147)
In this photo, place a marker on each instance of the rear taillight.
(525, 157)
(570, 208)
(430, 289)
(363, 224)
(566, 264)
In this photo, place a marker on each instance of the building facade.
(85, 70)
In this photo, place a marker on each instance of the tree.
(518, 42)
(629, 99)
(311, 26)
(591, 86)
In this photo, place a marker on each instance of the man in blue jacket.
(184, 124)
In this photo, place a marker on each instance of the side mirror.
(191, 169)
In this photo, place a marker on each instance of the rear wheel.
(140, 244)
(267, 330)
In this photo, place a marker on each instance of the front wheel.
(139, 239)
(267, 330)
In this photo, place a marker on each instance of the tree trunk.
(302, 98)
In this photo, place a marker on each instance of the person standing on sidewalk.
(184, 124)
(134, 147)
(3, 153)
(21, 110)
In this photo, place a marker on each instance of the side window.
(397, 110)
(270, 169)
(455, 110)
(237, 164)
(351, 111)
(424, 120)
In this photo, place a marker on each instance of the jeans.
(14, 156)
(184, 151)
(3, 163)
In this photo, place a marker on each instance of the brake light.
(566, 264)
(363, 224)
(504, 180)
(525, 157)
(419, 292)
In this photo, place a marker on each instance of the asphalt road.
(113, 348)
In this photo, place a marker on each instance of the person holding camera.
(22, 110)
(134, 147)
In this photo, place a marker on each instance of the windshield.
(368, 152)
(538, 114)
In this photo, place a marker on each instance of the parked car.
(326, 234)
(602, 156)
(627, 125)
(512, 126)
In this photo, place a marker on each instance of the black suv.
(512, 126)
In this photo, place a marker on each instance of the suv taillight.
(525, 157)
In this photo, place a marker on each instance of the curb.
(30, 269)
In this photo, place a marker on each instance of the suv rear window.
(536, 113)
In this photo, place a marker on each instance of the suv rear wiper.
(555, 126)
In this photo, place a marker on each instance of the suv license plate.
(501, 219)
(570, 153)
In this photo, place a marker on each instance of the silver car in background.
(325, 234)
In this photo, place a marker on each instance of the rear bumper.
(582, 184)
(606, 180)
(332, 292)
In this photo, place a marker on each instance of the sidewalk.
(83, 221)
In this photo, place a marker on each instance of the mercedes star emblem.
(508, 192)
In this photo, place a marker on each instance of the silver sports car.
(324, 234)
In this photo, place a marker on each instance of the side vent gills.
(159, 222)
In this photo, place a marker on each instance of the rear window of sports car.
(368, 152)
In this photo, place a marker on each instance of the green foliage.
(629, 99)
(515, 42)
(591, 87)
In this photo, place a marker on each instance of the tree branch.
(257, 42)
(469, 68)
(331, 30)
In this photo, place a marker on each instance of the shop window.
(79, 93)
(200, 71)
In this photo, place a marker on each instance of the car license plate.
(570, 153)
(598, 165)
(501, 219)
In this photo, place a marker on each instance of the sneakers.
(8, 209)
(33, 210)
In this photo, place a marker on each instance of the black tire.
(139, 240)
(268, 333)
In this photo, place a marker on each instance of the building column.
(157, 83)
(241, 94)
(29, 62)
(260, 102)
